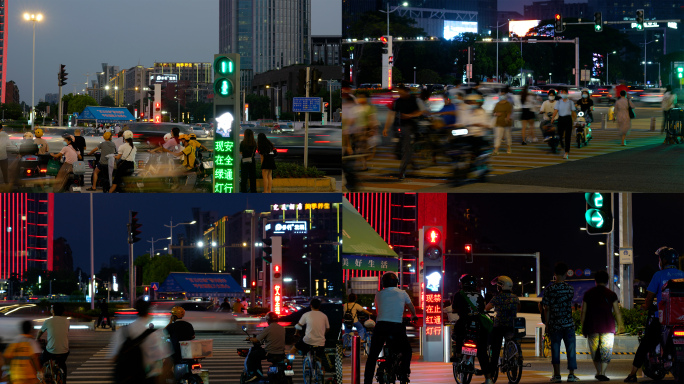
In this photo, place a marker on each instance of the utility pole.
(626, 242)
(306, 121)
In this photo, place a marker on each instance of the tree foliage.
(11, 111)
(77, 103)
(157, 269)
(107, 101)
(259, 106)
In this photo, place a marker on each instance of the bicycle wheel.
(513, 360)
(320, 375)
(546, 346)
(307, 372)
(347, 343)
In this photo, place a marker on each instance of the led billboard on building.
(522, 27)
(453, 28)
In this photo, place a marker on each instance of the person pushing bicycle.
(507, 306)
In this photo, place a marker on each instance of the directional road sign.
(306, 104)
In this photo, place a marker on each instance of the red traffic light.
(383, 39)
(558, 16)
(147, 289)
(276, 271)
(433, 236)
(157, 106)
(468, 247)
(253, 283)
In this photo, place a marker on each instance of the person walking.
(237, 306)
(407, 109)
(504, 123)
(527, 117)
(600, 309)
(4, 161)
(106, 148)
(564, 109)
(126, 156)
(267, 152)
(248, 148)
(365, 125)
(71, 156)
(624, 121)
(669, 101)
(557, 312)
(104, 314)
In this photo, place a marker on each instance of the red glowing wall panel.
(432, 210)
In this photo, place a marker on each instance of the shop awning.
(201, 284)
(359, 237)
(106, 114)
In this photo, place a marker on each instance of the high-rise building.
(268, 34)
(52, 98)
(11, 93)
(194, 80)
(3, 52)
(62, 255)
(26, 224)
(98, 90)
(135, 80)
(546, 10)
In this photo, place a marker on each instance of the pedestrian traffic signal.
(468, 253)
(253, 284)
(385, 44)
(640, 19)
(277, 272)
(62, 75)
(599, 213)
(558, 22)
(434, 243)
(390, 60)
(224, 71)
(598, 22)
(227, 116)
(326, 105)
(157, 107)
(680, 72)
(133, 227)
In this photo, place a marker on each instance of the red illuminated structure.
(277, 299)
(27, 231)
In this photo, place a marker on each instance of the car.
(199, 131)
(151, 135)
(286, 125)
(11, 315)
(197, 313)
(529, 309)
(652, 95)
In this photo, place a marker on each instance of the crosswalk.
(224, 366)
(383, 168)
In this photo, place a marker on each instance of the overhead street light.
(34, 18)
(171, 227)
(388, 11)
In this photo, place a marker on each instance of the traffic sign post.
(306, 104)
(227, 132)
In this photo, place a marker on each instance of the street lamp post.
(646, 44)
(330, 83)
(33, 17)
(497, 50)
(607, 68)
(414, 75)
(388, 11)
(153, 240)
(277, 89)
(171, 227)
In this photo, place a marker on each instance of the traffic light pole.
(626, 242)
(60, 112)
(92, 247)
(131, 275)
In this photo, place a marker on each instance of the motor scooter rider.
(476, 120)
(178, 330)
(274, 350)
(586, 105)
(43, 147)
(668, 259)
(470, 306)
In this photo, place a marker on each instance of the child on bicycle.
(507, 306)
(23, 356)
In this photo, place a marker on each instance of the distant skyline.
(83, 34)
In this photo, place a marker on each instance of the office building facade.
(26, 220)
(268, 34)
(11, 93)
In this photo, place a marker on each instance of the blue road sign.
(155, 286)
(587, 272)
(306, 104)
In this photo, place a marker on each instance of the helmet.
(39, 132)
(67, 135)
(191, 136)
(127, 135)
(468, 282)
(183, 136)
(667, 256)
(389, 279)
(179, 312)
(503, 282)
(168, 137)
(28, 135)
(369, 324)
(107, 135)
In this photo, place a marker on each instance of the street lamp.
(497, 49)
(153, 240)
(330, 83)
(646, 44)
(659, 82)
(607, 57)
(33, 17)
(388, 11)
(289, 280)
(171, 227)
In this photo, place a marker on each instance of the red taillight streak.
(126, 313)
(471, 345)
(679, 333)
(196, 366)
(321, 142)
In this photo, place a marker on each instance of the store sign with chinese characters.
(291, 227)
(224, 177)
(432, 303)
(299, 207)
(369, 263)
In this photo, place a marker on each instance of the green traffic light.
(595, 199)
(679, 75)
(224, 66)
(680, 69)
(594, 218)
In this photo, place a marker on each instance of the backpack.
(348, 317)
(129, 366)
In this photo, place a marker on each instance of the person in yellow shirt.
(23, 356)
(189, 152)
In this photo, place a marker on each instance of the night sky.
(72, 217)
(83, 34)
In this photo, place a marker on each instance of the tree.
(510, 59)
(259, 106)
(11, 111)
(157, 269)
(77, 103)
(107, 101)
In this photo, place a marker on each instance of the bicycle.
(388, 368)
(511, 361)
(52, 373)
(312, 368)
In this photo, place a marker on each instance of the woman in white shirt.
(126, 160)
(548, 106)
(71, 155)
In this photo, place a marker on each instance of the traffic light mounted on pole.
(62, 75)
(558, 23)
(469, 253)
(133, 227)
(640, 19)
(432, 279)
(227, 109)
(276, 275)
(598, 22)
(599, 213)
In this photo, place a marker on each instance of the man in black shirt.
(178, 331)
(406, 107)
(79, 142)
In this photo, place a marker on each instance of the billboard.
(522, 27)
(453, 28)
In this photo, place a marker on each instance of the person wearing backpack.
(351, 318)
(139, 350)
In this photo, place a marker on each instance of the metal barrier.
(538, 341)
(673, 127)
(356, 359)
(446, 333)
